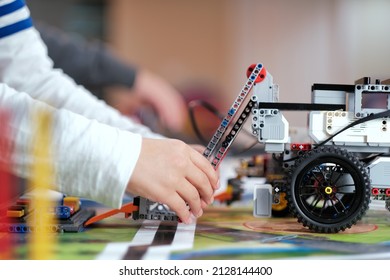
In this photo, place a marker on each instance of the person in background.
(123, 86)
(99, 153)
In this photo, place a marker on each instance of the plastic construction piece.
(75, 223)
(232, 193)
(150, 210)
(127, 209)
(72, 202)
(141, 208)
(221, 140)
(24, 218)
(262, 201)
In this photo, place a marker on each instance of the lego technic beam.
(221, 140)
(300, 106)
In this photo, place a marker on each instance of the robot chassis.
(328, 183)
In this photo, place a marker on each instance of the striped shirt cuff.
(14, 17)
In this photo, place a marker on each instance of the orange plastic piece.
(15, 212)
(127, 209)
(226, 195)
(222, 197)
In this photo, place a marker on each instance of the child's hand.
(171, 172)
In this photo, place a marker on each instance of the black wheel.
(329, 190)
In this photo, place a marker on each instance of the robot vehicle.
(329, 183)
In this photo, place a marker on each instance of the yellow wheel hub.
(328, 190)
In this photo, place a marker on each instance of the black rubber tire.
(329, 189)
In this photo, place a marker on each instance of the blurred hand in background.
(128, 88)
(149, 91)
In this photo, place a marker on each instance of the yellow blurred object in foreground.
(42, 237)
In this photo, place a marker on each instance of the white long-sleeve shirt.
(95, 147)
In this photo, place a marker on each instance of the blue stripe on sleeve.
(11, 7)
(16, 27)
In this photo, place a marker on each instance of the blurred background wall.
(210, 43)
